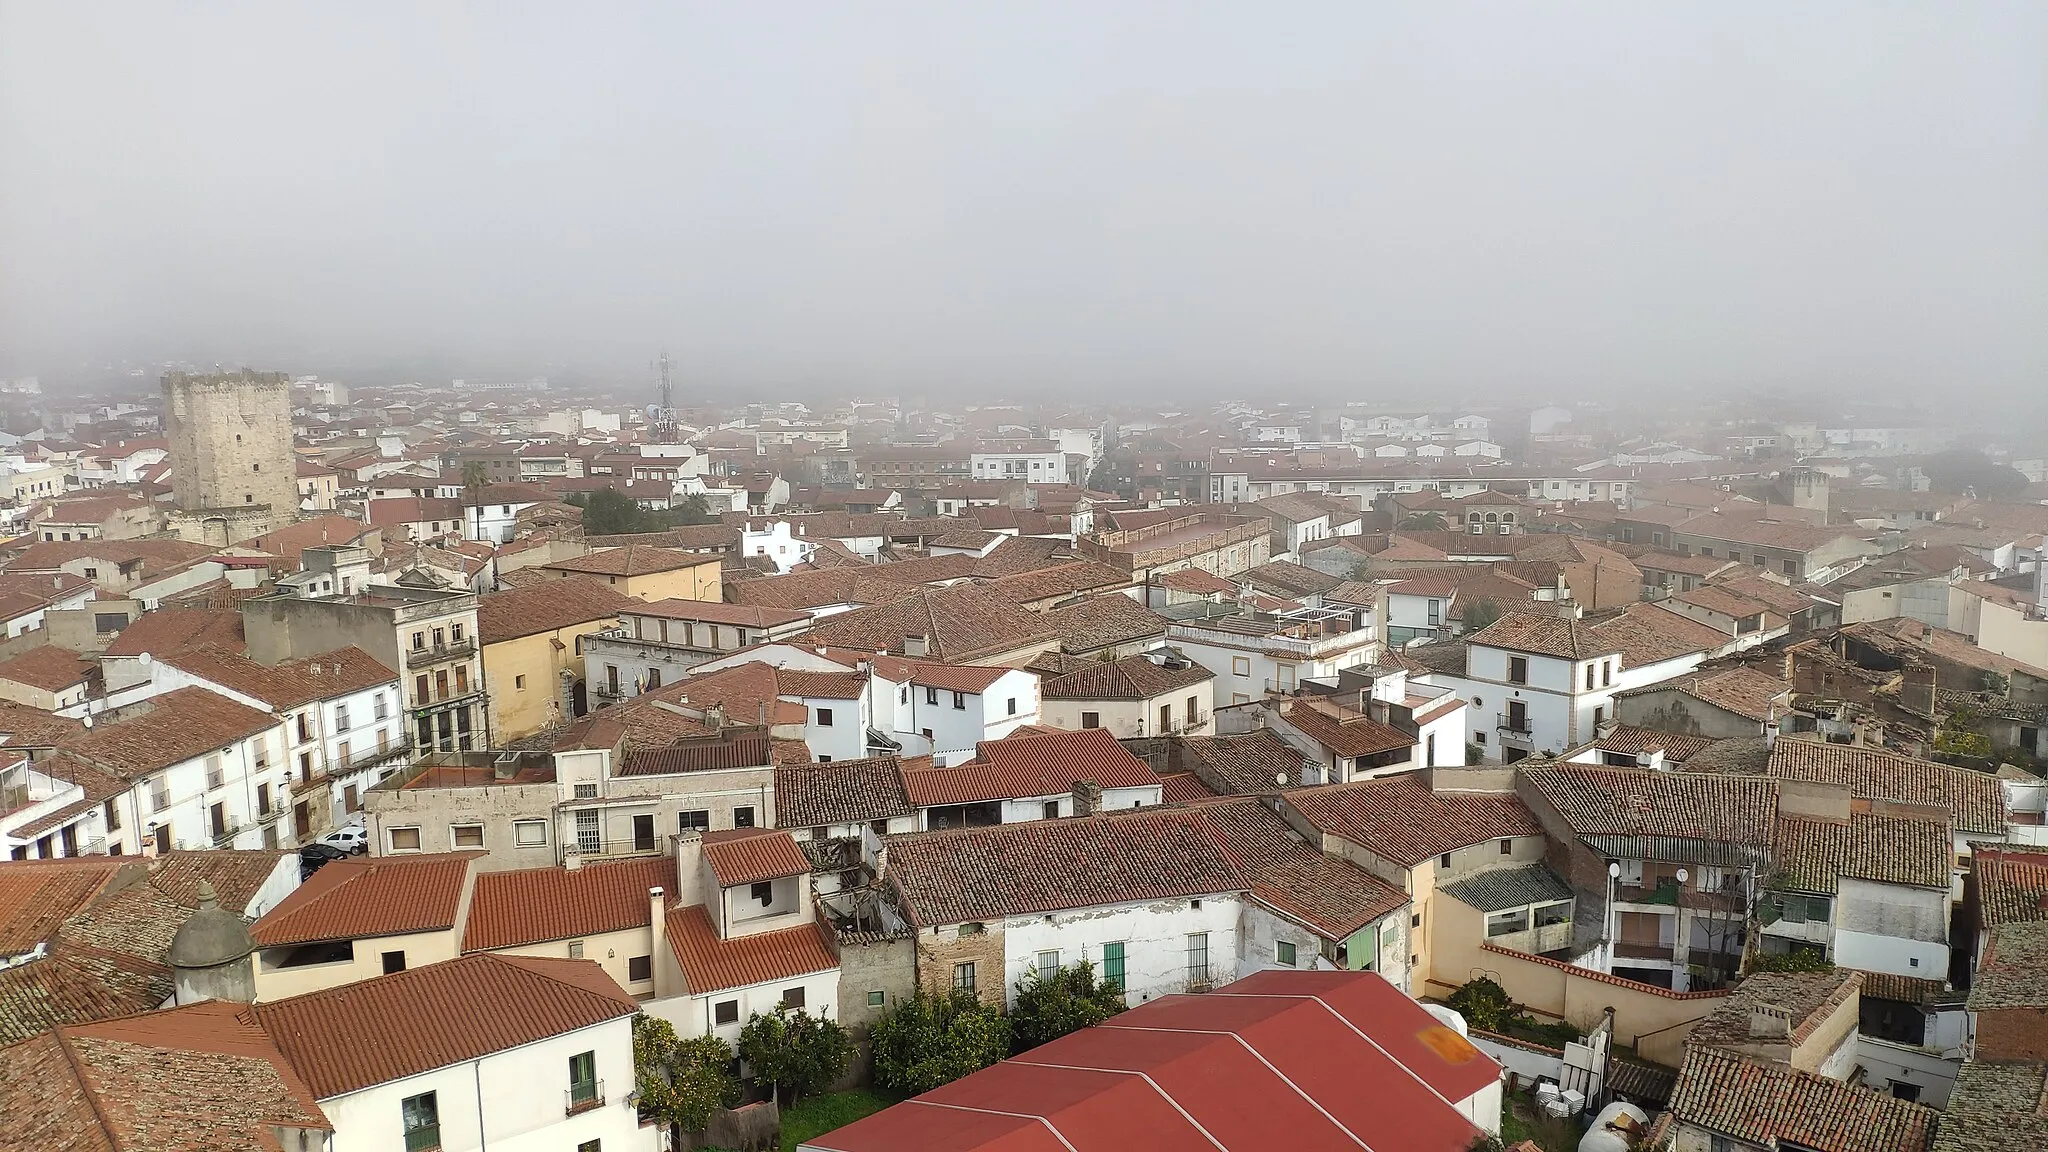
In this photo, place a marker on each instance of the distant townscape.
(504, 765)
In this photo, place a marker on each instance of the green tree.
(609, 512)
(1425, 522)
(1965, 470)
(1049, 1007)
(1795, 960)
(931, 1040)
(1481, 613)
(692, 510)
(1485, 1005)
(795, 1051)
(680, 1082)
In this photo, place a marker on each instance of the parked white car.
(353, 839)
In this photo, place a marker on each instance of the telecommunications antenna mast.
(665, 423)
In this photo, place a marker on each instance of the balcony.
(583, 1097)
(1517, 725)
(1188, 723)
(422, 657)
(424, 1138)
(224, 836)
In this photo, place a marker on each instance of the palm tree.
(474, 480)
(1425, 522)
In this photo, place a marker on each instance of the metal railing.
(582, 1097)
(1188, 723)
(425, 1138)
(1516, 724)
(227, 833)
(361, 760)
(415, 657)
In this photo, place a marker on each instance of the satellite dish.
(86, 720)
(143, 659)
(1280, 778)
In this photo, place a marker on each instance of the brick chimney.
(1087, 798)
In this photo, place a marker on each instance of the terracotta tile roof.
(750, 693)
(178, 726)
(751, 855)
(1765, 1103)
(557, 604)
(1637, 802)
(821, 685)
(372, 1032)
(169, 630)
(1196, 581)
(1815, 855)
(199, 1077)
(530, 905)
(1346, 734)
(960, 623)
(1025, 766)
(291, 683)
(1995, 1108)
(1330, 895)
(1048, 865)
(1904, 989)
(1060, 580)
(1131, 678)
(2011, 884)
(157, 556)
(369, 896)
(973, 679)
(48, 667)
(2013, 972)
(1250, 763)
(841, 792)
(740, 615)
(1541, 635)
(797, 590)
(1183, 788)
(1102, 621)
(710, 964)
(1742, 690)
(1975, 801)
(1401, 819)
(106, 956)
(1678, 747)
(631, 560)
(37, 896)
(1644, 634)
(1286, 578)
(742, 748)
(1806, 999)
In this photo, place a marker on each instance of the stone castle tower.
(233, 474)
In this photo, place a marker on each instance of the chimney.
(1767, 1023)
(1087, 798)
(572, 858)
(917, 646)
(657, 925)
(714, 716)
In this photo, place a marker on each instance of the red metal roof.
(1296, 1060)
(710, 964)
(747, 855)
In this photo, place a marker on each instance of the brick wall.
(940, 950)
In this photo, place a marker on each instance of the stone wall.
(231, 442)
(940, 949)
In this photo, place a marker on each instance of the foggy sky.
(1102, 195)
